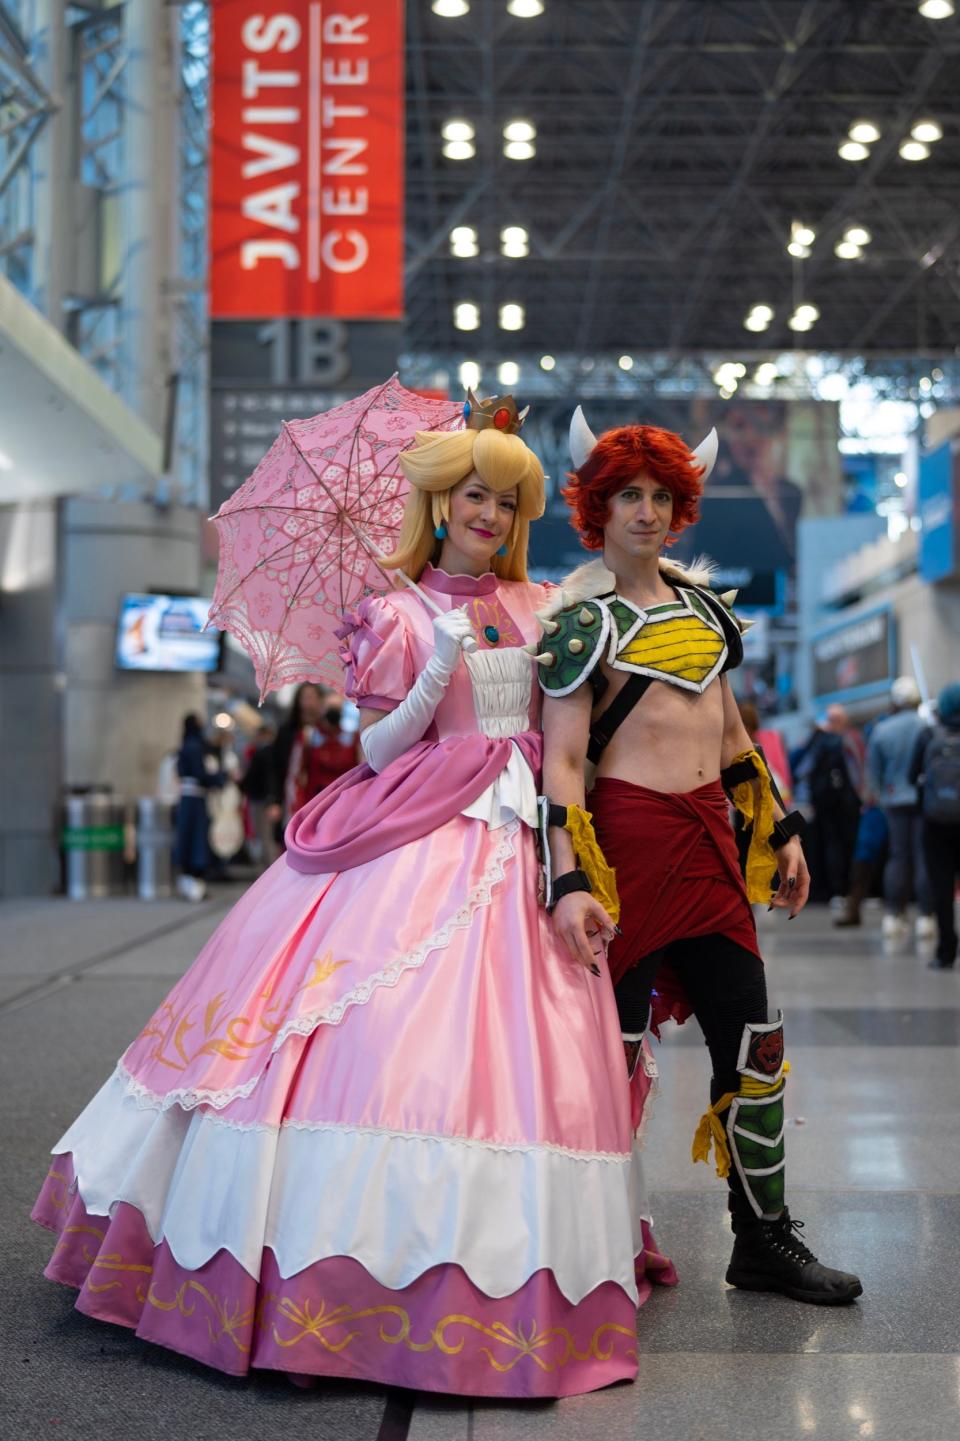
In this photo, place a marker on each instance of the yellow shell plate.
(685, 647)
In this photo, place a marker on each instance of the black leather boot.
(770, 1256)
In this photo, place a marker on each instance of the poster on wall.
(777, 461)
(939, 506)
(307, 163)
(857, 659)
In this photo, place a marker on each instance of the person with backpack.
(935, 770)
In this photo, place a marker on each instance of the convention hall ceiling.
(678, 143)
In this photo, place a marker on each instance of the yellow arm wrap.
(710, 1130)
(590, 859)
(757, 809)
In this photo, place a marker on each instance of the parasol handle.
(470, 644)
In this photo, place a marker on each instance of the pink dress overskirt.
(381, 1128)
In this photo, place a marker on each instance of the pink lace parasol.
(299, 539)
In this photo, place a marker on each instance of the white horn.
(706, 453)
(582, 439)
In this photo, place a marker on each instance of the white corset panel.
(501, 681)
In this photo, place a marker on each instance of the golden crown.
(499, 413)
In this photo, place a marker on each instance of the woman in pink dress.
(381, 1129)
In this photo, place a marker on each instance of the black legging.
(726, 986)
(724, 983)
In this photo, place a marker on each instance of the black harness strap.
(603, 728)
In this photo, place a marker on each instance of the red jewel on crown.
(499, 412)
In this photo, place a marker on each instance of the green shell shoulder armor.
(578, 637)
(575, 639)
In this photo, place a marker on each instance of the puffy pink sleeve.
(376, 654)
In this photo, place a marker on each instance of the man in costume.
(633, 666)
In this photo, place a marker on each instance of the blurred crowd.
(882, 803)
(882, 806)
(235, 795)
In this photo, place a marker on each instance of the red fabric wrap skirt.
(678, 876)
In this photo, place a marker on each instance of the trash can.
(93, 837)
(154, 848)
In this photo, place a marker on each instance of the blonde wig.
(440, 460)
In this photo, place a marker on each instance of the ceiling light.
(799, 322)
(466, 315)
(520, 130)
(463, 242)
(847, 250)
(728, 374)
(766, 373)
(798, 251)
(852, 150)
(625, 362)
(525, 9)
(450, 9)
(857, 234)
(514, 241)
(805, 234)
(512, 316)
(458, 130)
(726, 391)
(469, 374)
(900, 480)
(547, 362)
(508, 372)
(459, 149)
(762, 312)
(865, 131)
(808, 312)
(519, 150)
(936, 9)
(927, 130)
(914, 150)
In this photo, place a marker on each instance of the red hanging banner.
(306, 192)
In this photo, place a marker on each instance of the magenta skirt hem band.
(441, 1333)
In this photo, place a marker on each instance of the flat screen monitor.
(165, 633)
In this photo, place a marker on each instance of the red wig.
(618, 457)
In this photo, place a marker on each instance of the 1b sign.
(307, 160)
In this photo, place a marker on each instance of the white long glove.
(388, 738)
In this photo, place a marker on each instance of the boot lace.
(784, 1237)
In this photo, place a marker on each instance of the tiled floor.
(874, 1171)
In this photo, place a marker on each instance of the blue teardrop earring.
(441, 532)
(502, 550)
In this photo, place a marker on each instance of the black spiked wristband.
(567, 883)
(783, 831)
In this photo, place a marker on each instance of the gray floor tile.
(721, 1398)
(898, 1245)
(866, 1026)
(438, 1419)
(874, 1170)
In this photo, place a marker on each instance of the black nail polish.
(595, 970)
(617, 931)
(791, 882)
(770, 906)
